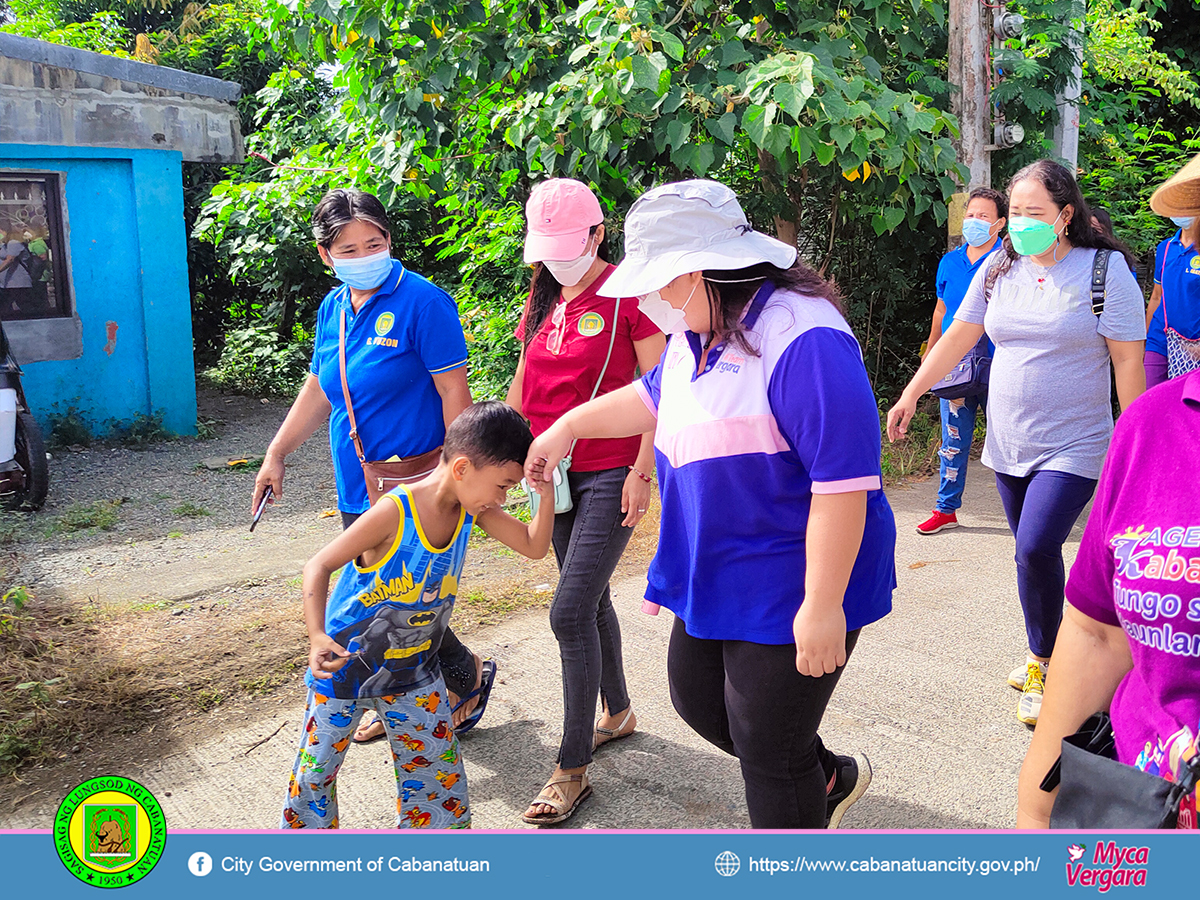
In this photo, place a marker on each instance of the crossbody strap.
(1162, 296)
(1099, 280)
(612, 340)
(358, 448)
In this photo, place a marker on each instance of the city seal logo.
(591, 324)
(384, 323)
(110, 832)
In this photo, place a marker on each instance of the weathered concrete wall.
(44, 100)
(129, 279)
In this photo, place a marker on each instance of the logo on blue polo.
(384, 323)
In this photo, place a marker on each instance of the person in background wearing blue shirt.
(406, 371)
(776, 543)
(983, 223)
(1175, 299)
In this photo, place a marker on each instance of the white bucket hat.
(686, 227)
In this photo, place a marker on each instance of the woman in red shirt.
(570, 354)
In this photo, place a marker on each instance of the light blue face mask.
(1184, 222)
(976, 232)
(363, 273)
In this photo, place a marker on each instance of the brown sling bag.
(381, 476)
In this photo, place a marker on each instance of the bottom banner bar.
(114, 853)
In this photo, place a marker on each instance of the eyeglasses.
(558, 328)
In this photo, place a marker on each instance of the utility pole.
(970, 77)
(1066, 130)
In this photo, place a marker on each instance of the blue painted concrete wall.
(128, 264)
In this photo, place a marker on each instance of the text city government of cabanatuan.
(378, 864)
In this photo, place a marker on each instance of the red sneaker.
(939, 521)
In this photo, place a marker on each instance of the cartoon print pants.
(431, 784)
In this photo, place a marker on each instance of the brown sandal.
(554, 796)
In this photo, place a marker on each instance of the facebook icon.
(200, 864)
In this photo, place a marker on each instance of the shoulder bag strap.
(1099, 279)
(612, 340)
(1162, 295)
(358, 448)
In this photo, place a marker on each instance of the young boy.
(374, 644)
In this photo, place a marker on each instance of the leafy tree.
(476, 97)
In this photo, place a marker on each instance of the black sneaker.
(853, 778)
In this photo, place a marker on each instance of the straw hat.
(1180, 196)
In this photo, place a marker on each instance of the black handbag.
(1096, 791)
(969, 378)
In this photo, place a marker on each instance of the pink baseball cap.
(561, 213)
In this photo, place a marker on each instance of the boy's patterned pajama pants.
(431, 785)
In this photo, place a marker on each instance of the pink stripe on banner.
(847, 485)
(552, 834)
(646, 398)
(722, 437)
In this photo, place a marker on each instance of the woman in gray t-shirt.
(1049, 406)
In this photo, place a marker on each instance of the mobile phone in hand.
(262, 506)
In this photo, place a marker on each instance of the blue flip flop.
(484, 691)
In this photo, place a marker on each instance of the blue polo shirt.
(954, 275)
(741, 449)
(1177, 271)
(405, 334)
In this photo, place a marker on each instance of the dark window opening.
(33, 259)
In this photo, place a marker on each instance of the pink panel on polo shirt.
(721, 437)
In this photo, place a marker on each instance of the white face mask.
(569, 273)
(668, 319)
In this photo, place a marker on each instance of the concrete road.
(924, 696)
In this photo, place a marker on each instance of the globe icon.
(728, 863)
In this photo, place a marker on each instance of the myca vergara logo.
(110, 832)
(1107, 866)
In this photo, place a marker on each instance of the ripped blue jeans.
(958, 427)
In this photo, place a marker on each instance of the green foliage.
(102, 515)
(468, 99)
(917, 453)
(207, 429)
(492, 294)
(1123, 170)
(256, 362)
(140, 431)
(69, 429)
(189, 510)
(12, 604)
(101, 32)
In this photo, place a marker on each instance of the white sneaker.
(1030, 704)
(1016, 678)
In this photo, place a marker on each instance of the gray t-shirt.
(1049, 404)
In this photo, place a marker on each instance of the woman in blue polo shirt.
(983, 223)
(406, 372)
(1175, 302)
(777, 544)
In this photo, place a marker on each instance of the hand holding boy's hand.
(325, 656)
(537, 478)
(547, 451)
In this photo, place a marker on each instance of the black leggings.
(458, 664)
(749, 700)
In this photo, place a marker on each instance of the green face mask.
(1032, 237)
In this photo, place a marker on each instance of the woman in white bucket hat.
(776, 544)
